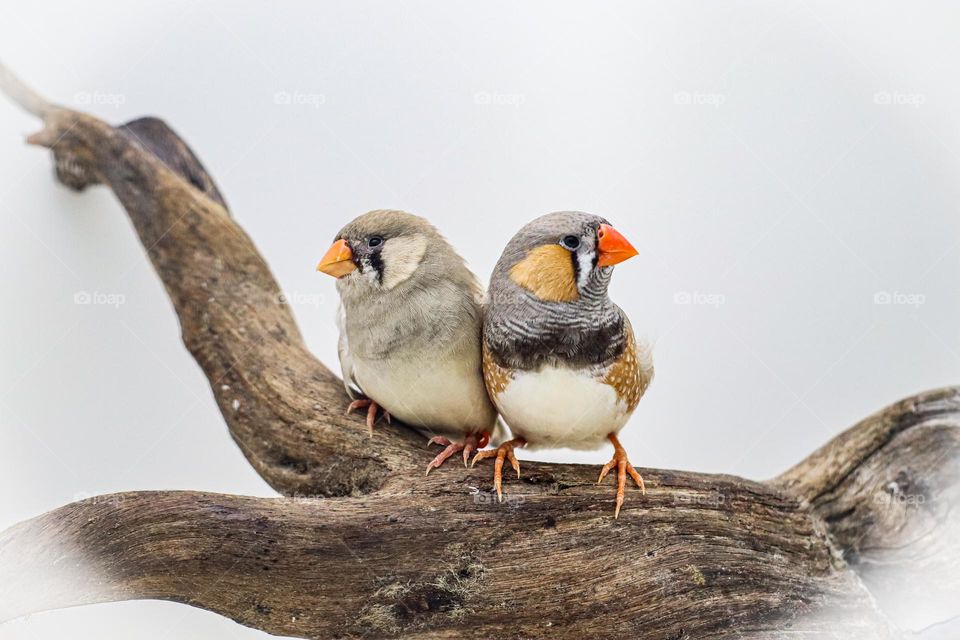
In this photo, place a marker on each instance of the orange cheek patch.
(547, 271)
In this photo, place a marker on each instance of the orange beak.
(612, 247)
(338, 261)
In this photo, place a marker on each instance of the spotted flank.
(494, 376)
(631, 373)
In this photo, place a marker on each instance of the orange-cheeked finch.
(560, 359)
(410, 323)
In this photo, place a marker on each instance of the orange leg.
(503, 451)
(623, 468)
(371, 411)
(471, 443)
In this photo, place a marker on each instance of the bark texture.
(856, 541)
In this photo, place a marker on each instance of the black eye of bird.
(375, 241)
(570, 242)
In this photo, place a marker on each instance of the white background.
(778, 164)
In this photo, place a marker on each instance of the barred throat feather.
(525, 332)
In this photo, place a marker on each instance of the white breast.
(559, 407)
(444, 396)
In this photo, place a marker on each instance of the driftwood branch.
(857, 541)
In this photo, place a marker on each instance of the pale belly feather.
(445, 397)
(558, 407)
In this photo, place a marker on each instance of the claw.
(500, 453)
(452, 448)
(623, 469)
(372, 408)
(514, 462)
(440, 440)
(470, 443)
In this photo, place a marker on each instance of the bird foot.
(505, 450)
(623, 468)
(470, 444)
(372, 408)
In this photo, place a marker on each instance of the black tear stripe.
(377, 263)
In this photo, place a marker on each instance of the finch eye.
(375, 241)
(570, 242)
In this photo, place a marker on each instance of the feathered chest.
(628, 373)
(531, 334)
(420, 322)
